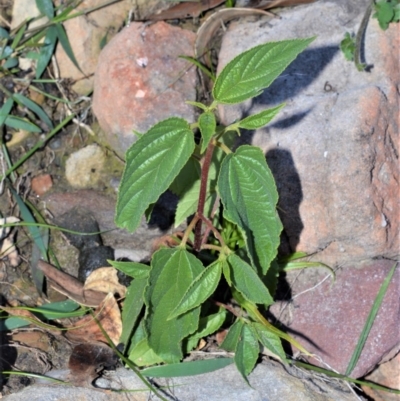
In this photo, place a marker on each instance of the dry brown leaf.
(70, 286)
(108, 316)
(105, 279)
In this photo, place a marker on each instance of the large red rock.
(334, 148)
(327, 316)
(140, 81)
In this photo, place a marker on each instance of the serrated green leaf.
(200, 290)
(269, 340)
(46, 8)
(20, 123)
(197, 104)
(258, 120)
(152, 163)
(5, 110)
(247, 351)
(189, 174)
(46, 50)
(248, 74)
(142, 355)
(207, 126)
(232, 338)
(31, 105)
(248, 193)
(190, 368)
(63, 38)
(209, 324)
(172, 271)
(19, 36)
(131, 269)
(245, 279)
(133, 304)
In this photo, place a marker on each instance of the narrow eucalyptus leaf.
(152, 163)
(46, 8)
(172, 272)
(21, 124)
(248, 193)
(245, 279)
(10, 63)
(247, 351)
(233, 337)
(5, 110)
(46, 50)
(254, 70)
(200, 290)
(207, 126)
(31, 105)
(63, 38)
(258, 120)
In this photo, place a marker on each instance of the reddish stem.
(202, 196)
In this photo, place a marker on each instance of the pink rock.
(328, 319)
(41, 184)
(140, 81)
(334, 147)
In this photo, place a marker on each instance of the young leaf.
(209, 324)
(172, 271)
(190, 368)
(133, 304)
(46, 8)
(233, 337)
(19, 123)
(207, 125)
(258, 120)
(247, 351)
(46, 51)
(152, 163)
(269, 340)
(31, 105)
(131, 269)
(248, 74)
(248, 193)
(246, 280)
(201, 289)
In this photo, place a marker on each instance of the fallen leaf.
(70, 286)
(107, 315)
(105, 279)
(33, 339)
(87, 360)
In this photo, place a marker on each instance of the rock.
(41, 184)
(87, 32)
(103, 209)
(140, 80)
(23, 11)
(269, 380)
(327, 317)
(387, 375)
(334, 148)
(84, 168)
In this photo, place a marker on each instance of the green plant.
(230, 198)
(386, 11)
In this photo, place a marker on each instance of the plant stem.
(202, 196)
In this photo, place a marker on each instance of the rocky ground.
(333, 151)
